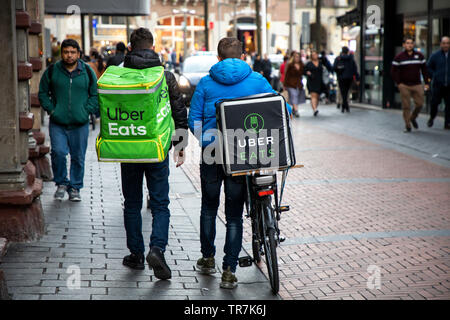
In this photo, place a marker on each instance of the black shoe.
(156, 261)
(134, 261)
(316, 113)
(414, 124)
(447, 127)
(338, 106)
(407, 130)
(430, 123)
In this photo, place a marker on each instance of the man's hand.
(178, 157)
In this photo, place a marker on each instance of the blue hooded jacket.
(228, 79)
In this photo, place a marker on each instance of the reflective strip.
(141, 91)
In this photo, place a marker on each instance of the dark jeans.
(437, 94)
(68, 141)
(212, 177)
(157, 176)
(344, 86)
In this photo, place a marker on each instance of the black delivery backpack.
(255, 133)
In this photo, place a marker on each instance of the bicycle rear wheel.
(270, 249)
(256, 244)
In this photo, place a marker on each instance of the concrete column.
(20, 208)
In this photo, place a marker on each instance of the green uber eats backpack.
(136, 122)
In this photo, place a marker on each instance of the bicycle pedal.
(245, 261)
(284, 208)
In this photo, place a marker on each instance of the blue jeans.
(68, 141)
(157, 176)
(212, 177)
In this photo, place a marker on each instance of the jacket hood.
(230, 71)
(142, 59)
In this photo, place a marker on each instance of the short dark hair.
(345, 50)
(229, 48)
(70, 43)
(141, 38)
(408, 38)
(120, 46)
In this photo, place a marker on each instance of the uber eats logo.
(255, 137)
(254, 122)
(133, 120)
(117, 114)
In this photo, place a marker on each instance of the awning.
(349, 18)
(100, 7)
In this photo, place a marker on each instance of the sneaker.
(338, 106)
(60, 192)
(430, 123)
(156, 261)
(316, 113)
(407, 130)
(206, 265)
(134, 261)
(414, 124)
(74, 195)
(296, 114)
(229, 280)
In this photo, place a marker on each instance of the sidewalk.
(90, 235)
(370, 214)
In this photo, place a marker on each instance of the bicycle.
(264, 210)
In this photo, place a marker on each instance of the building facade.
(377, 29)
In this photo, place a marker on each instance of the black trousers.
(344, 86)
(437, 94)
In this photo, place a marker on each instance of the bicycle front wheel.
(270, 249)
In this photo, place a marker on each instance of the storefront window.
(418, 30)
(373, 59)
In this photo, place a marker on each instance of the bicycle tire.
(256, 244)
(270, 249)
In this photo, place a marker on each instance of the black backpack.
(340, 66)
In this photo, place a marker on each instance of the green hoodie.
(72, 99)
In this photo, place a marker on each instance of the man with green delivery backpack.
(139, 136)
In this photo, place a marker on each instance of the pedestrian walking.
(315, 85)
(97, 64)
(405, 70)
(439, 69)
(119, 56)
(267, 68)
(258, 64)
(231, 77)
(347, 72)
(68, 92)
(142, 56)
(293, 82)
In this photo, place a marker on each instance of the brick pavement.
(90, 236)
(370, 200)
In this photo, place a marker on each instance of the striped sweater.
(406, 68)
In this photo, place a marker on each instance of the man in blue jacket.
(230, 78)
(439, 68)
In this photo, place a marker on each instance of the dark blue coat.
(439, 68)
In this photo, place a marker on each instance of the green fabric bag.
(136, 118)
